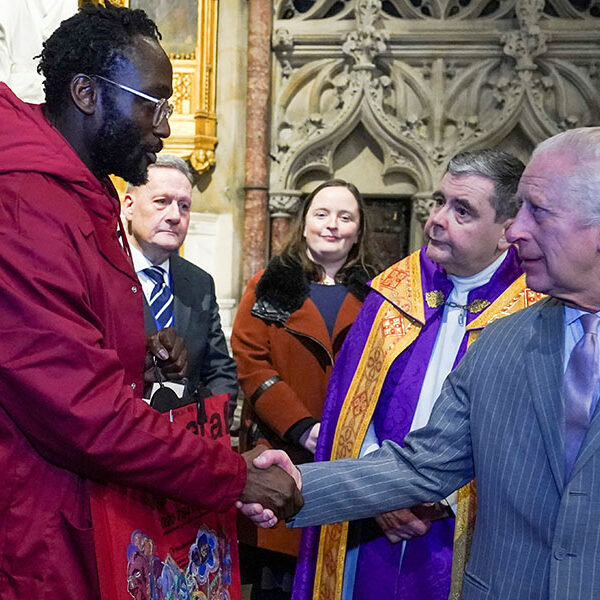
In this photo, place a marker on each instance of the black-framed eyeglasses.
(163, 110)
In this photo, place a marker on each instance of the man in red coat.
(73, 347)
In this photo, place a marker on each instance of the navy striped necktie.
(161, 300)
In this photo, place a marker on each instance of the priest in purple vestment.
(414, 326)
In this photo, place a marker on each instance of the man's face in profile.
(557, 246)
(128, 140)
(118, 146)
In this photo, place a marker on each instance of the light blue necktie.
(161, 301)
(579, 387)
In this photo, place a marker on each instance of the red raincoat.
(71, 359)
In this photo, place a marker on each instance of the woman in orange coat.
(291, 322)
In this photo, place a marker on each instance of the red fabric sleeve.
(63, 384)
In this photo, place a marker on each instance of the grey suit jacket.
(500, 418)
(197, 321)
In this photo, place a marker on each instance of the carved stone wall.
(386, 92)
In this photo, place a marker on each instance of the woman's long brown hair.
(295, 249)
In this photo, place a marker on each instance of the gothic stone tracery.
(425, 79)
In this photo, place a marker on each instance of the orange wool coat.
(285, 355)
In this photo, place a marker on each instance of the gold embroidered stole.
(392, 332)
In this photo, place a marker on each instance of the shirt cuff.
(295, 432)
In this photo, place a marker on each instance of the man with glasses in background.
(73, 352)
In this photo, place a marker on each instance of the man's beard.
(118, 149)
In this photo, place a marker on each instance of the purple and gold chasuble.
(378, 377)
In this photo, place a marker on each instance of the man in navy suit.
(518, 413)
(158, 216)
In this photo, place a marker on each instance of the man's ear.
(127, 207)
(503, 243)
(84, 93)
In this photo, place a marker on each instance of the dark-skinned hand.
(272, 487)
(171, 354)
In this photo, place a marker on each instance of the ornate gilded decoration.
(182, 92)
(194, 122)
(436, 298)
(477, 305)
(202, 160)
(515, 298)
(117, 2)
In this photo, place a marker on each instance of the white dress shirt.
(140, 262)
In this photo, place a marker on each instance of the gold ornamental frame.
(194, 120)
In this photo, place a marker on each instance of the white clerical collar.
(141, 261)
(462, 284)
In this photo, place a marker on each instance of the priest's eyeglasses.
(163, 110)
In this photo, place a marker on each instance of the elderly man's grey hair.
(170, 161)
(581, 150)
(503, 169)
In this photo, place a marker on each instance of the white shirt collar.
(141, 262)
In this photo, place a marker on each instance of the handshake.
(272, 491)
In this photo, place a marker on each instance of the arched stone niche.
(385, 93)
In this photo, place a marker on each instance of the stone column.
(280, 227)
(257, 137)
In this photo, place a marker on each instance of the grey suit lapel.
(182, 304)
(544, 373)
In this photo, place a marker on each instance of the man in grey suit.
(517, 413)
(158, 215)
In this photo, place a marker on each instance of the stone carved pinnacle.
(529, 42)
(368, 12)
(367, 42)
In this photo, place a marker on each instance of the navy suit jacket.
(500, 418)
(197, 321)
